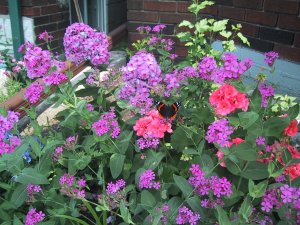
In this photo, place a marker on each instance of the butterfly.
(168, 111)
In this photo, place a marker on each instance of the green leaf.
(257, 191)
(219, 25)
(17, 221)
(35, 146)
(247, 118)
(179, 140)
(183, 185)
(19, 196)
(116, 164)
(123, 141)
(244, 151)
(186, 23)
(275, 126)
(72, 219)
(246, 208)
(82, 162)
(222, 216)
(243, 38)
(147, 200)
(255, 171)
(125, 213)
(225, 33)
(31, 176)
(293, 112)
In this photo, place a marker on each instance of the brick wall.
(48, 15)
(268, 24)
(116, 13)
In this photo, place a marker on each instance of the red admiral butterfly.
(168, 111)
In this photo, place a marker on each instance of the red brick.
(48, 27)
(181, 51)
(260, 45)
(263, 18)
(40, 20)
(297, 40)
(232, 13)
(63, 24)
(183, 6)
(56, 17)
(212, 10)
(224, 2)
(133, 37)
(135, 4)
(51, 9)
(250, 4)
(142, 16)
(175, 17)
(160, 6)
(288, 52)
(249, 29)
(58, 34)
(289, 22)
(4, 10)
(276, 35)
(31, 11)
(3, 3)
(282, 6)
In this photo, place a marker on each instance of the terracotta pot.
(17, 102)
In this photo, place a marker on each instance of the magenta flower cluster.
(107, 124)
(113, 188)
(185, 215)
(70, 188)
(209, 186)
(34, 92)
(8, 142)
(276, 198)
(45, 36)
(31, 189)
(147, 180)
(270, 58)
(219, 132)
(82, 43)
(57, 153)
(140, 75)
(231, 68)
(144, 143)
(266, 91)
(37, 62)
(56, 77)
(33, 217)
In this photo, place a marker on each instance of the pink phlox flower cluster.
(34, 92)
(147, 180)
(56, 77)
(69, 188)
(281, 196)
(71, 139)
(270, 58)
(37, 62)
(232, 68)
(45, 36)
(164, 213)
(8, 143)
(89, 107)
(218, 187)
(266, 91)
(151, 127)
(31, 189)
(33, 217)
(158, 28)
(81, 43)
(113, 188)
(141, 29)
(226, 99)
(219, 132)
(25, 47)
(107, 123)
(140, 75)
(185, 215)
(57, 153)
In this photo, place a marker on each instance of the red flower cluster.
(227, 99)
(292, 129)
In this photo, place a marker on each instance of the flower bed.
(154, 142)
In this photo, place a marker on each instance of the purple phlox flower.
(219, 132)
(186, 215)
(147, 180)
(260, 140)
(158, 28)
(113, 188)
(33, 217)
(266, 91)
(34, 92)
(269, 200)
(89, 107)
(81, 182)
(107, 123)
(45, 36)
(287, 193)
(66, 179)
(148, 143)
(270, 58)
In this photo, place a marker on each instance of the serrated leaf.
(186, 23)
(243, 38)
(219, 25)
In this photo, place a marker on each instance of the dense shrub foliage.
(154, 142)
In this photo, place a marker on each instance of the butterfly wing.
(168, 111)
